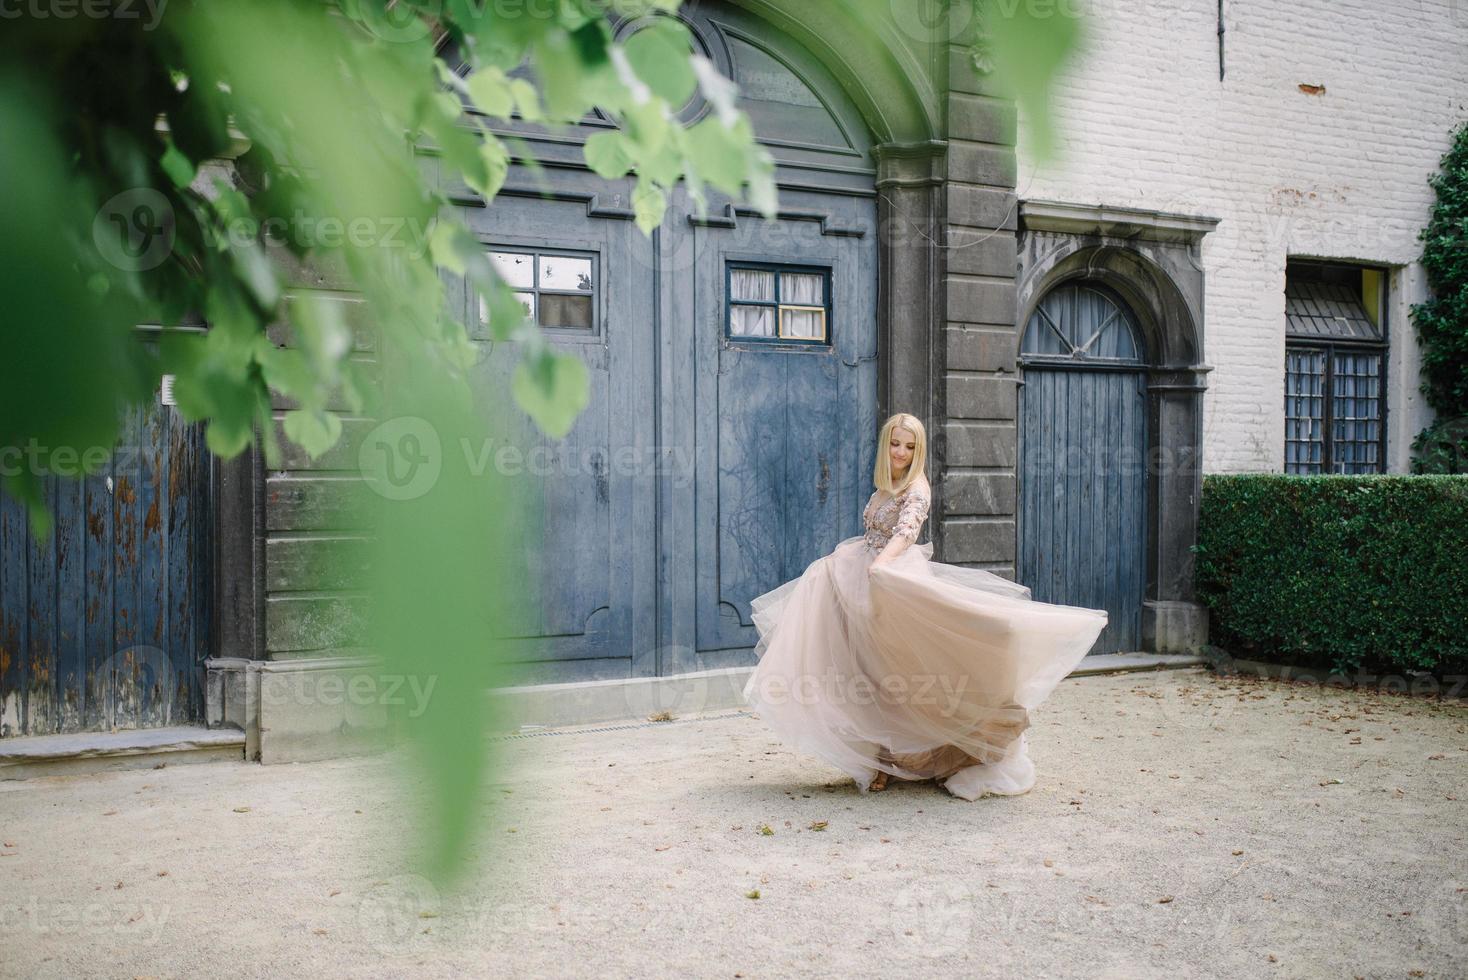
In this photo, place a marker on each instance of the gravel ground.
(1184, 825)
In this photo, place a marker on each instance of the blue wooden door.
(586, 276)
(104, 621)
(1082, 472)
(727, 464)
(784, 410)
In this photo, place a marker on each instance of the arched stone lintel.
(1168, 313)
(890, 86)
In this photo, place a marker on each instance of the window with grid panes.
(1335, 360)
(778, 303)
(557, 289)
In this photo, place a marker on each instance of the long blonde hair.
(882, 478)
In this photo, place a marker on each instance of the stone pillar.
(1173, 621)
(909, 298)
(980, 430)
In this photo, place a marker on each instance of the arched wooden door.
(1083, 451)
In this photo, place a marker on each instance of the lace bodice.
(903, 514)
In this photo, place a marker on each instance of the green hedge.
(1345, 572)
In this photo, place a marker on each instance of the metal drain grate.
(618, 728)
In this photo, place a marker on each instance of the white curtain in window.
(752, 284)
(802, 288)
(803, 324)
(752, 321)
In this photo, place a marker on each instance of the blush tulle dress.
(920, 669)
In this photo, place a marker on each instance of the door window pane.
(754, 285)
(802, 288)
(1304, 410)
(803, 324)
(558, 310)
(1355, 412)
(752, 321)
(565, 273)
(515, 268)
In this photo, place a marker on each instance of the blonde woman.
(888, 664)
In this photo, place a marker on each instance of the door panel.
(784, 435)
(590, 548)
(104, 621)
(1082, 507)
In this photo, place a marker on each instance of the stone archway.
(1150, 259)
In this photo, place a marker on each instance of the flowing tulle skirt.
(920, 669)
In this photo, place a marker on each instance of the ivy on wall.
(1442, 321)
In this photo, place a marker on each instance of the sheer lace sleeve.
(914, 511)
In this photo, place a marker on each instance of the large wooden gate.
(730, 436)
(1083, 453)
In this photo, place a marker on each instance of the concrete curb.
(640, 698)
(85, 752)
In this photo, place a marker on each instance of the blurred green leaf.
(649, 203)
(553, 389)
(659, 53)
(607, 154)
(491, 91)
(1028, 45)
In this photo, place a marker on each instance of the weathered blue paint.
(1083, 441)
(104, 622)
(749, 458)
(785, 433)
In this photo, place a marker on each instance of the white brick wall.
(1145, 122)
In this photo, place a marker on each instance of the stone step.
(144, 748)
(1108, 663)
